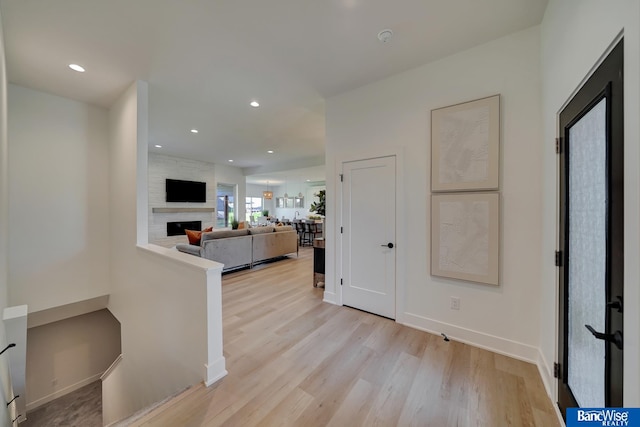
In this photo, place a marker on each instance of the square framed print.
(465, 236)
(289, 202)
(465, 146)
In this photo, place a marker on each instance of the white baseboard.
(510, 348)
(215, 371)
(559, 415)
(503, 346)
(330, 297)
(546, 373)
(59, 393)
(550, 383)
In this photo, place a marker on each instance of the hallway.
(296, 361)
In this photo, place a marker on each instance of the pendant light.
(268, 195)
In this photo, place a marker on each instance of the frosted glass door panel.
(587, 256)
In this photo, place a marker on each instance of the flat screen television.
(186, 191)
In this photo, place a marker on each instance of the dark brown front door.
(591, 241)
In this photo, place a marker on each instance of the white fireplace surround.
(162, 167)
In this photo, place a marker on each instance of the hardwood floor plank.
(391, 396)
(425, 405)
(339, 369)
(325, 340)
(356, 405)
(390, 343)
(294, 360)
(288, 409)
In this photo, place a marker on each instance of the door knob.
(615, 338)
(388, 245)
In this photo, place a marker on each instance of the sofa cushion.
(284, 228)
(190, 249)
(221, 234)
(194, 236)
(233, 252)
(261, 230)
(271, 245)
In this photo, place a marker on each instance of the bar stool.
(299, 229)
(308, 233)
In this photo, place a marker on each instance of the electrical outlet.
(455, 303)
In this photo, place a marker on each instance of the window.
(225, 205)
(253, 208)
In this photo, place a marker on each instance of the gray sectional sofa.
(244, 248)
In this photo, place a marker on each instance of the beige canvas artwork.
(465, 141)
(465, 236)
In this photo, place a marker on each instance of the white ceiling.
(206, 60)
(296, 178)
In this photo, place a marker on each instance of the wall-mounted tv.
(186, 191)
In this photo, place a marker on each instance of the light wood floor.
(296, 361)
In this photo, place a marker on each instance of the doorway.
(369, 203)
(225, 205)
(591, 144)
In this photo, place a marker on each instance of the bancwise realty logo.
(619, 417)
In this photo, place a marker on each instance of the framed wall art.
(465, 236)
(465, 146)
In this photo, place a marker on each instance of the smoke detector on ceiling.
(385, 35)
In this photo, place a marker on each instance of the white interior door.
(369, 235)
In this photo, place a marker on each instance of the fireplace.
(177, 228)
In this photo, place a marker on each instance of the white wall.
(161, 297)
(58, 200)
(575, 35)
(308, 194)
(4, 181)
(66, 355)
(394, 114)
(4, 226)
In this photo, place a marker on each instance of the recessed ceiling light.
(158, 146)
(308, 180)
(254, 104)
(194, 130)
(270, 151)
(76, 67)
(230, 160)
(385, 35)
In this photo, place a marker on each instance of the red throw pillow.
(195, 236)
